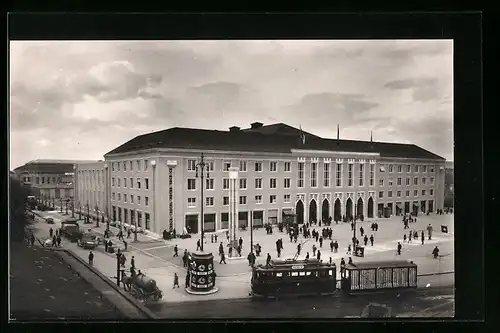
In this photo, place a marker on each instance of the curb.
(145, 311)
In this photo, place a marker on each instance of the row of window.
(390, 181)
(117, 216)
(49, 179)
(118, 197)
(129, 165)
(210, 201)
(407, 193)
(118, 182)
(287, 166)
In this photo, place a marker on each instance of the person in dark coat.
(240, 242)
(350, 261)
(318, 255)
(314, 249)
(349, 249)
(321, 242)
(58, 240)
(299, 247)
(331, 246)
(125, 244)
(365, 239)
(198, 245)
(51, 232)
(399, 248)
(268, 259)
(307, 256)
(91, 258)
(54, 241)
(221, 248)
(422, 237)
(335, 247)
(132, 262)
(372, 239)
(176, 251)
(176, 281)
(129, 233)
(362, 231)
(222, 258)
(435, 252)
(187, 279)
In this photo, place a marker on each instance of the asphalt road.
(420, 302)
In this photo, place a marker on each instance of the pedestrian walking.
(299, 247)
(350, 261)
(187, 279)
(335, 247)
(125, 244)
(399, 248)
(123, 260)
(318, 255)
(106, 246)
(331, 246)
(176, 281)
(314, 249)
(176, 251)
(404, 238)
(222, 258)
(54, 241)
(429, 231)
(198, 245)
(372, 239)
(132, 262)
(32, 240)
(129, 233)
(91, 258)
(409, 236)
(349, 249)
(435, 252)
(268, 259)
(422, 237)
(362, 231)
(307, 256)
(59, 240)
(330, 261)
(227, 235)
(51, 232)
(240, 243)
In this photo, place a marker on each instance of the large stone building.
(51, 180)
(91, 189)
(153, 178)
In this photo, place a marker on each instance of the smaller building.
(90, 189)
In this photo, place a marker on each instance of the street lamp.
(201, 167)
(61, 205)
(354, 229)
(97, 213)
(73, 208)
(88, 213)
(79, 211)
(67, 202)
(107, 218)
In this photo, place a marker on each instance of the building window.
(407, 181)
(415, 181)
(300, 178)
(415, 193)
(415, 168)
(210, 165)
(361, 174)
(431, 192)
(119, 197)
(124, 182)
(288, 167)
(118, 165)
(38, 180)
(43, 180)
(191, 184)
(338, 174)
(399, 194)
(131, 166)
(272, 199)
(226, 165)
(113, 196)
(243, 166)
(225, 184)
(391, 168)
(243, 183)
(146, 162)
(408, 168)
(48, 180)
(209, 201)
(258, 166)
(423, 192)
(382, 168)
(131, 198)
(191, 202)
(113, 166)
(431, 168)
(432, 180)
(209, 184)
(112, 181)
(389, 194)
(399, 181)
(390, 181)
(243, 200)
(138, 165)
(287, 198)
(423, 180)
(146, 201)
(125, 166)
(119, 182)
(273, 166)
(314, 174)
(407, 193)
(372, 174)
(258, 183)
(424, 168)
(124, 198)
(138, 182)
(326, 174)
(381, 182)
(138, 199)
(400, 168)
(286, 183)
(258, 199)
(349, 175)
(381, 194)
(225, 201)
(191, 164)
(272, 183)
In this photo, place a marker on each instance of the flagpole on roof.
(371, 136)
(338, 134)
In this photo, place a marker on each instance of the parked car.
(49, 220)
(88, 241)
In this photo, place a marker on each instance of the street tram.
(293, 278)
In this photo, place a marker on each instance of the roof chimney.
(256, 125)
(234, 129)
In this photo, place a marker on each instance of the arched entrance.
(370, 207)
(337, 211)
(359, 208)
(325, 210)
(299, 210)
(348, 208)
(313, 211)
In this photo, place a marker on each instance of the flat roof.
(380, 264)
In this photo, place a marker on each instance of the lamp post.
(73, 208)
(79, 211)
(354, 229)
(88, 213)
(251, 231)
(67, 202)
(107, 218)
(201, 167)
(118, 256)
(61, 205)
(97, 213)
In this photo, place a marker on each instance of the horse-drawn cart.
(143, 288)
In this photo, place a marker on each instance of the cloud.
(87, 97)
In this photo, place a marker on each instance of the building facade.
(154, 183)
(91, 186)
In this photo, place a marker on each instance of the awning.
(272, 213)
(398, 204)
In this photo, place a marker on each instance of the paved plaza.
(155, 257)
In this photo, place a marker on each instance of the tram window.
(279, 274)
(308, 273)
(295, 273)
(330, 272)
(302, 273)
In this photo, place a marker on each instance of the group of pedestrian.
(56, 237)
(374, 226)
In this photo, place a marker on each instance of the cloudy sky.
(79, 100)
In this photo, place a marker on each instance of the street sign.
(297, 267)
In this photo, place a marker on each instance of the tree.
(19, 221)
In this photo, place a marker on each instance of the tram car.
(293, 278)
(312, 277)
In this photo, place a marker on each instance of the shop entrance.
(191, 223)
